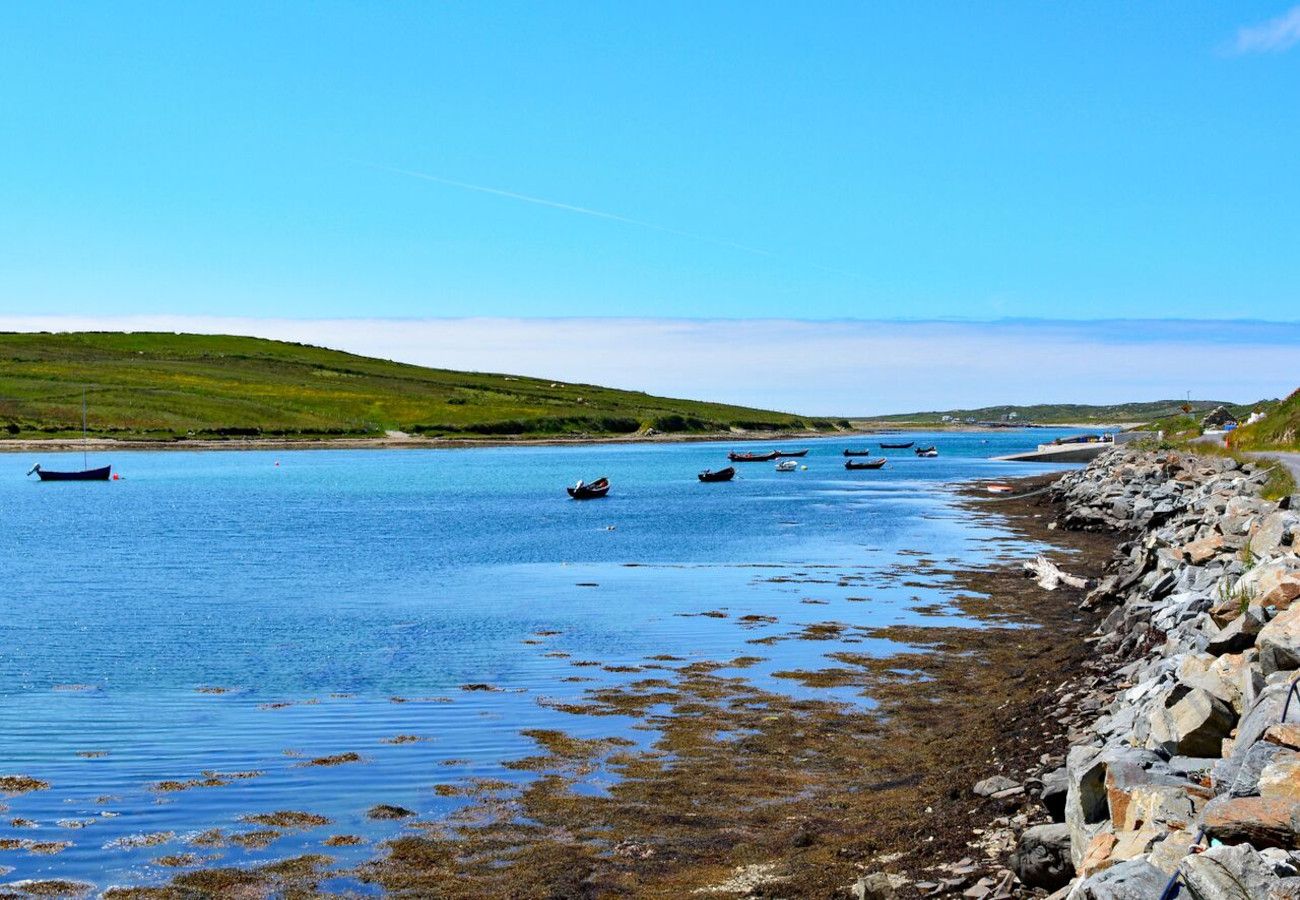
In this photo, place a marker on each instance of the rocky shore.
(1184, 759)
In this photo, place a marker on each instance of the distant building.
(947, 419)
(1219, 419)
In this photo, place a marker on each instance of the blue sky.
(823, 161)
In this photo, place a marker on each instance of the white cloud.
(1273, 36)
(814, 368)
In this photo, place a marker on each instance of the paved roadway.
(1288, 459)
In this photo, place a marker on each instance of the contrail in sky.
(596, 213)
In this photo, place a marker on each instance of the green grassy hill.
(1070, 412)
(160, 386)
(1278, 430)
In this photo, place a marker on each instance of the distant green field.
(1069, 412)
(157, 386)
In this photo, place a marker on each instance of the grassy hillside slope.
(1069, 412)
(167, 386)
(1278, 430)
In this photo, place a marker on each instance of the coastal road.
(1288, 459)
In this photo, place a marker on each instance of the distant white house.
(947, 419)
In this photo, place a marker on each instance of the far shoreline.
(409, 442)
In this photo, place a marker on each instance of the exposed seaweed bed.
(744, 790)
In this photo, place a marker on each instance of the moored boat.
(87, 474)
(866, 464)
(907, 446)
(927, 451)
(589, 491)
(787, 465)
(751, 457)
(848, 452)
(792, 453)
(100, 474)
(721, 475)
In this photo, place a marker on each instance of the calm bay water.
(337, 599)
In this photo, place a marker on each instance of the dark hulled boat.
(721, 475)
(927, 451)
(589, 491)
(865, 464)
(906, 446)
(752, 457)
(791, 454)
(87, 474)
(857, 452)
(100, 474)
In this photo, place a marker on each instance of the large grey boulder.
(1228, 873)
(1056, 787)
(1239, 634)
(1087, 811)
(1190, 722)
(1273, 532)
(1279, 642)
(1134, 879)
(1239, 774)
(1042, 857)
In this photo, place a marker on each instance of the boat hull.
(791, 454)
(593, 491)
(872, 464)
(101, 474)
(906, 446)
(752, 457)
(721, 475)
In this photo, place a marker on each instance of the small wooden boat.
(593, 491)
(998, 488)
(866, 464)
(906, 446)
(87, 474)
(100, 474)
(787, 465)
(751, 457)
(721, 475)
(927, 451)
(857, 452)
(790, 454)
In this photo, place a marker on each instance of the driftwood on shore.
(1050, 576)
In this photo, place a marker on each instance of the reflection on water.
(221, 636)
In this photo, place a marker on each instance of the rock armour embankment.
(1185, 768)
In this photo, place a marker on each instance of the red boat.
(865, 464)
(752, 457)
(593, 491)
